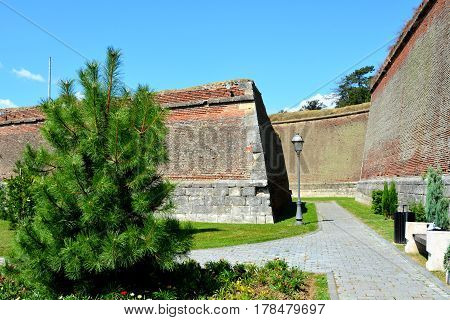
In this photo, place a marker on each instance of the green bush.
(447, 260)
(389, 200)
(16, 198)
(101, 210)
(436, 205)
(419, 211)
(377, 195)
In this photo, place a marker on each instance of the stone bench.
(421, 243)
(430, 244)
(420, 238)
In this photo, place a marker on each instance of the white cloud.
(6, 103)
(24, 73)
(329, 101)
(79, 95)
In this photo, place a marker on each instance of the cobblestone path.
(364, 265)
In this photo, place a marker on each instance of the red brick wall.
(208, 142)
(205, 141)
(13, 139)
(408, 128)
(199, 93)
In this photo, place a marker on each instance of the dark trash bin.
(400, 219)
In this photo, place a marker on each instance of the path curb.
(332, 289)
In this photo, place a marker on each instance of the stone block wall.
(408, 128)
(237, 201)
(409, 189)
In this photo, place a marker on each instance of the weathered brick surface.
(408, 128)
(223, 151)
(332, 153)
(13, 138)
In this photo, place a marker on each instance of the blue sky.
(290, 48)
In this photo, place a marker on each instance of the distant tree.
(313, 105)
(354, 88)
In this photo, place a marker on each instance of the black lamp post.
(297, 141)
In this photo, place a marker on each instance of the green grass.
(214, 235)
(6, 237)
(321, 287)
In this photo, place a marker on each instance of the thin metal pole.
(298, 215)
(49, 78)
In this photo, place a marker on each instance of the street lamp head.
(297, 141)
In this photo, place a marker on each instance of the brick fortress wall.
(224, 155)
(408, 128)
(332, 153)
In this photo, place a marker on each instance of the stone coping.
(221, 183)
(330, 116)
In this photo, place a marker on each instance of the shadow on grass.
(200, 230)
(290, 211)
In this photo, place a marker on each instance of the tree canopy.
(355, 87)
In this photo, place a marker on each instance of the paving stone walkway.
(364, 265)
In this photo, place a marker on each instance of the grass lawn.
(6, 236)
(213, 235)
(384, 227)
(320, 287)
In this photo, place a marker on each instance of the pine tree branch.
(77, 178)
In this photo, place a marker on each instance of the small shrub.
(385, 199)
(436, 205)
(393, 199)
(376, 201)
(419, 211)
(389, 200)
(16, 201)
(447, 260)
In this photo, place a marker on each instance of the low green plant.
(189, 280)
(419, 211)
(389, 200)
(436, 205)
(377, 195)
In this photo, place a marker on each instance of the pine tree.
(101, 206)
(436, 205)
